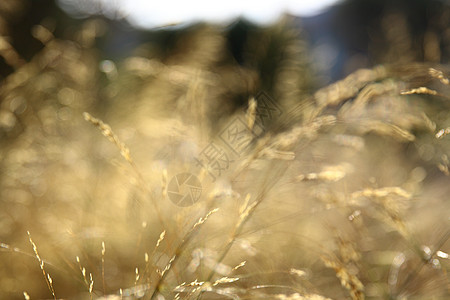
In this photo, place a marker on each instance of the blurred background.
(168, 77)
(342, 35)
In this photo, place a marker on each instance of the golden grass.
(341, 195)
(47, 277)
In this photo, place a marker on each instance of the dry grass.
(340, 195)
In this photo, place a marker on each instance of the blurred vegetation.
(342, 195)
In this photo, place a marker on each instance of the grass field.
(338, 192)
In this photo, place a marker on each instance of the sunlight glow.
(150, 13)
